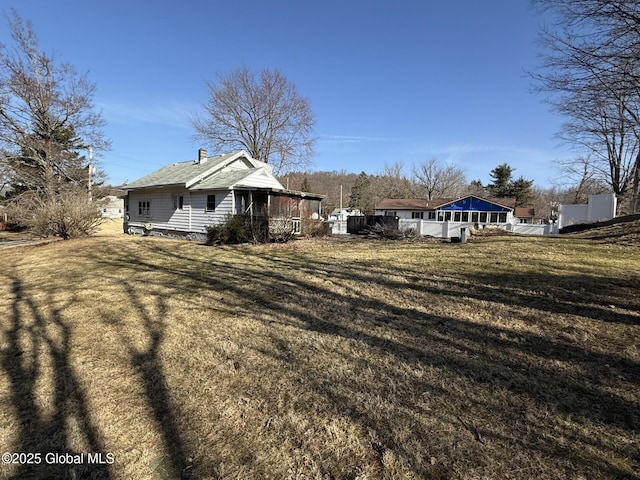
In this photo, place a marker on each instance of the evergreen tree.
(47, 119)
(501, 176)
(521, 190)
(362, 195)
(504, 186)
(305, 187)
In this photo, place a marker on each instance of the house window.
(465, 216)
(419, 215)
(388, 213)
(144, 208)
(494, 217)
(178, 202)
(456, 216)
(502, 217)
(432, 215)
(211, 203)
(483, 217)
(474, 217)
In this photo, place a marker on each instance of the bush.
(67, 214)
(315, 228)
(233, 230)
(245, 229)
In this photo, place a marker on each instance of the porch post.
(233, 202)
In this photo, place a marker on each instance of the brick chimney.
(202, 155)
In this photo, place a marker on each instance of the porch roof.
(224, 180)
(283, 193)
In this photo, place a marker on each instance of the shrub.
(67, 214)
(245, 229)
(233, 230)
(315, 228)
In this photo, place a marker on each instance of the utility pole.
(90, 171)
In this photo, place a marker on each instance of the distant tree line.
(435, 179)
(429, 179)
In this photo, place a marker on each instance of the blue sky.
(407, 81)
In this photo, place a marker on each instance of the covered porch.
(283, 212)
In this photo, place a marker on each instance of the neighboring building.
(338, 219)
(340, 215)
(469, 209)
(183, 198)
(112, 207)
(525, 214)
(446, 217)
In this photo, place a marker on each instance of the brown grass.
(509, 357)
(619, 231)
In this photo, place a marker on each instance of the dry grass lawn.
(504, 358)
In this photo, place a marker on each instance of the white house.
(182, 199)
(445, 217)
(469, 209)
(112, 206)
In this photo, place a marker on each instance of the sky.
(388, 81)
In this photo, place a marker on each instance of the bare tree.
(439, 181)
(46, 120)
(264, 116)
(392, 182)
(335, 185)
(580, 178)
(591, 71)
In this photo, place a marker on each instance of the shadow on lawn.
(148, 364)
(36, 342)
(488, 358)
(37, 338)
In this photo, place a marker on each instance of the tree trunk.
(635, 201)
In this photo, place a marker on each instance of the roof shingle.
(179, 173)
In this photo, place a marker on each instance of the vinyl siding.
(162, 213)
(164, 216)
(260, 180)
(200, 218)
(239, 164)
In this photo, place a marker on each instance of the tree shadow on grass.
(489, 358)
(147, 362)
(34, 339)
(39, 344)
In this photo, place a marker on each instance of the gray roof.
(224, 180)
(179, 173)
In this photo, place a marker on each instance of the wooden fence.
(359, 224)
